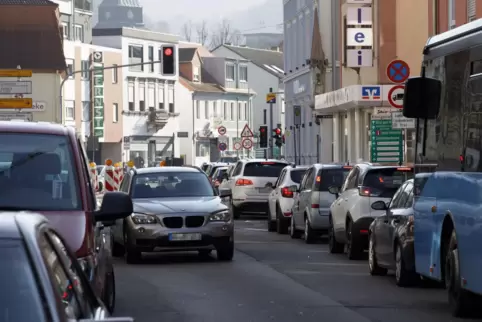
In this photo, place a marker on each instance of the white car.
(281, 198)
(351, 213)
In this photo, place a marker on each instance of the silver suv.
(251, 182)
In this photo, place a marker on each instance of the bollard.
(109, 177)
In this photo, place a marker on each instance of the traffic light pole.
(270, 132)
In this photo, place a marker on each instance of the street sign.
(271, 98)
(297, 111)
(395, 96)
(398, 71)
(237, 145)
(401, 122)
(20, 87)
(222, 146)
(221, 130)
(16, 116)
(15, 73)
(387, 144)
(247, 143)
(15, 103)
(246, 133)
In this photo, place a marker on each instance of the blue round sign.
(222, 146)
(398, 71)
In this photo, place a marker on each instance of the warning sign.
(246, 133)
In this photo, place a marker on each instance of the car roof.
(331, 165)
(34, 127)
(12, 223)
(264, 160)
(166, 169)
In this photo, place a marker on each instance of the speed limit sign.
(247, 143)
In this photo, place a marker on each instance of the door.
(297, 218)
(274, 195)
(305, 193)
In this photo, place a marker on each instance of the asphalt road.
(272, 278)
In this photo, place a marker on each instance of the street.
(272, 278)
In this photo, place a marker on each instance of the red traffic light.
(278, 131)
(168, 51)
(262, 130)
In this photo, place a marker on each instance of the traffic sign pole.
(270, 141)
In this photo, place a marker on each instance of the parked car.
(251, 182)
(175, 209)
(311, 206)
(40, 276)
(281, 198)
(48, 173)
(351, 213)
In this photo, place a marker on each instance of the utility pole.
(335, 44)
(270, 132)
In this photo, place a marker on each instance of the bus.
(446, 102)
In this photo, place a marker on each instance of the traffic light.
(263, 137)
(168, 61)
(278, 137)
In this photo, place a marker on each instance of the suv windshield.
(19, 299)
(263, 169)
(330, 177)
(39, 171)
(387, 180)
(297, 175)
(171, 184)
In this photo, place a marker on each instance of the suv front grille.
(194, 221)
(172, 222)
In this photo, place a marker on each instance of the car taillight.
(244, 182)
(368, 192)
(285, 192)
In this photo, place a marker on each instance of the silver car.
(175, 209)
(251, 182)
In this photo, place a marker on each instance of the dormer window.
(230, 71)
(195, 74)
(243, 73)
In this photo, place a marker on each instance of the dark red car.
(44, 168)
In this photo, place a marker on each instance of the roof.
(27, 2)
(201, 87)
(49, 52)
(12, 222)
(186, 54)
(165, 169)
(269, 60)
(34, 127)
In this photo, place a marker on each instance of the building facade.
(150, 109)
(76, 19)
(263, 69)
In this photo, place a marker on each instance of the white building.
(150, 110)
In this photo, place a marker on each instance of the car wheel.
(225, 251)
(109, 292)
(294, 233)
(353, 250)
(372, 259)
(403, 276)
(282, 223)
(309, 234)
(131, 254)
(334, 246)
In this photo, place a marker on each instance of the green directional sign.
(387, 143)
(98, 100)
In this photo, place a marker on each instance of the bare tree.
(225, 34)
(187, 30)
(202, 32)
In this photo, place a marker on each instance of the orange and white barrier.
(109, 178)
(117, 175)
(94, 175)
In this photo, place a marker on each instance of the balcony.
(157, 119)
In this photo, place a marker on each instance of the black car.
(40, 276)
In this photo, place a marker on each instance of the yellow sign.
(271, 98)
(15, 73)
(130, 164)
(15, 103)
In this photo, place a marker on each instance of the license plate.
(185, 236)
(265, 190)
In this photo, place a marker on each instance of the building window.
(206, 110)
(136, 56)
(243, 73)
(131, 97)
(471, 10)
(195, 74)
(151, 96)
(70, 67)
(225, 111)
(114, 74)
(79, 33)
(115, 113)
(239, 112)
(85, 5)
(142, 97)
(215, 109)
(451, 11)
(85, 67)
(86, 113)
(161, 96)
(66, 29)
(151, 59)
(230, 72)
(170, 92)
(232, 112)
(70, 110)
(246, 111)
(198, 110)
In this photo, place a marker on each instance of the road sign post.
(271, 100)
(387, 144)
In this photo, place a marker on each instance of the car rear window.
(297, 175)
(212, 170)
(221, 173)
(330, 177)
(263, 169)
(387, 180)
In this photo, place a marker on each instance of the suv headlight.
(222, 215)
(144, 219)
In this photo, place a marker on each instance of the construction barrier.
(117, 175)
(94, 175)
(109, 178)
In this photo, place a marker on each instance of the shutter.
(470, 10)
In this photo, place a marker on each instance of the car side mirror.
(334, 190)
(379, 205)
(115, 205)
(421, 98)
(225, 192)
